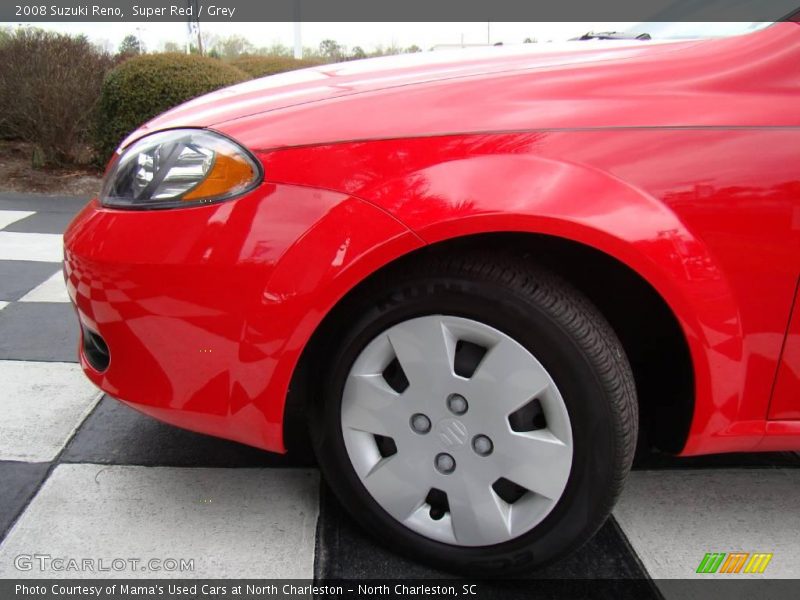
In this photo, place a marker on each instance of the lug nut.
(482, 445)
(420, 423)
(445, 463)
(457, 404)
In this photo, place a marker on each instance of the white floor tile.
(42, 247)
(247, 523)
(7, 217)
(52, 290)
(673, 518)
(41, 404)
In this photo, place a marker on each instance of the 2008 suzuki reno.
(481, 276)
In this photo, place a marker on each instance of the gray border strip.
(387, 11)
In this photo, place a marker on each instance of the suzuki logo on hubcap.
(452, 432)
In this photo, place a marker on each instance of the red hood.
(574, 84)
(357, 77)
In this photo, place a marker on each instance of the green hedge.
(144, 86)
(261, 66)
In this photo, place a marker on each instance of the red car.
(481, 276)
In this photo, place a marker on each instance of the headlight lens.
(179, 167)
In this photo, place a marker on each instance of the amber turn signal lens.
(229, 174)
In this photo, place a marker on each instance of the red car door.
(785, 403)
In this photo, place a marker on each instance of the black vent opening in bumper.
(95, 350)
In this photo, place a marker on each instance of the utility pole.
(298, 40)
(194, 33)
(298, 32)
(189, 30)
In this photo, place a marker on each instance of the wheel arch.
(590, 270)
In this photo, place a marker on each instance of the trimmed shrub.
(144, 86)
(261, 66)
(49, 87)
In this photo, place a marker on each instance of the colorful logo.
(734, 562)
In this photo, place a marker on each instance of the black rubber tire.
(574, 343)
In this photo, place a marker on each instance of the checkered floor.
(83, 476)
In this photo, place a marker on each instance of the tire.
(533, 313)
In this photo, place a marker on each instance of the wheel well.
(650, 333)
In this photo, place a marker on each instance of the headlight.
(179, 167)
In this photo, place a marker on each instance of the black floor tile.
(18, 277)
(117, 434)
(42, 222)
(345, 551)
(20, 480)
(44, 331)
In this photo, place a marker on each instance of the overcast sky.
(366, 35)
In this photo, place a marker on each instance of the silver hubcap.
(456, 430)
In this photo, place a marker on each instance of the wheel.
(477, 413)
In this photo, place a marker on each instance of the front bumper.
(205, 310)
